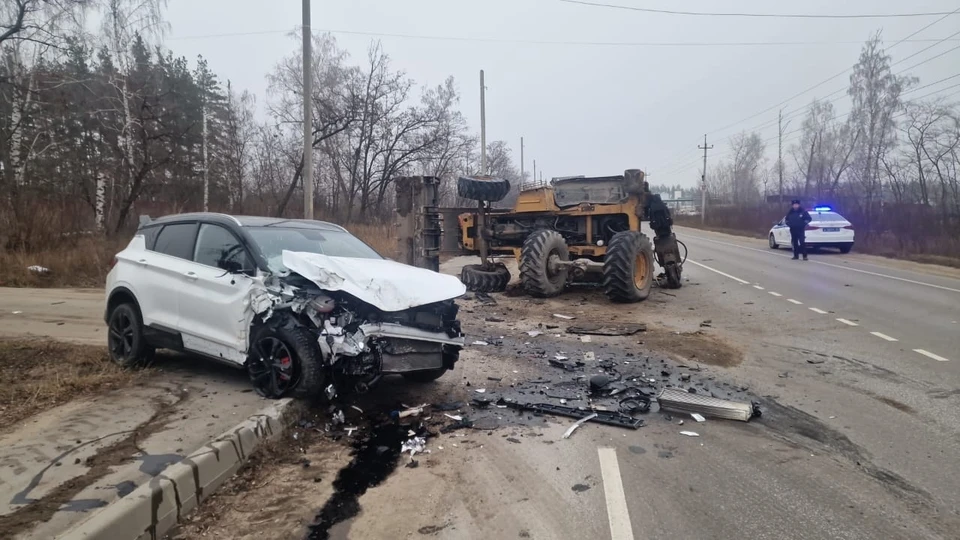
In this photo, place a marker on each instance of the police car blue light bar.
(822, 209)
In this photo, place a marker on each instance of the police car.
(828, 229)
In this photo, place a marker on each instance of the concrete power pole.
(483, 127)
(307, 173)
(520, 187)
(780, 153)
(703, 182)
(534, 172)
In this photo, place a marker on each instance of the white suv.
(304, 305)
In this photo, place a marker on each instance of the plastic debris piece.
(608, 330)
(586, 339)
(690, 433)
(358, 409)
(453, 417)
(578, 423)
(338, 418)
(564, 317)
(480, 390)
(698, 417)
(589, 356)
(480, 343)
(414, 445)
(534, 333)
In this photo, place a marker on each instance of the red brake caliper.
(285, 368)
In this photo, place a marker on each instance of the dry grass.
(382, 238)
(38, 375)
(82, 263)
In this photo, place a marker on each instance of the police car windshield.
(826, 216)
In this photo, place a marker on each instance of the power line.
(510, 41)
(762, 15)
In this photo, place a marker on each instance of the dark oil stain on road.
(374, 459)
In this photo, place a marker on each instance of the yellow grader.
(577, 229)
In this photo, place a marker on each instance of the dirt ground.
(37, 375)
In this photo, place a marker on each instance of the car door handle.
(142, 262)
(192, 276)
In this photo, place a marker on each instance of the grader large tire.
(540, 278)
(478, 279)
(483, 188)
(628, 267)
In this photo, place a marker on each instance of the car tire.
(483, 188)
(628, 267)
(773, 242)
(846, 248)
(126, 344)
(293, 367)
(535, 255)
(478, 279)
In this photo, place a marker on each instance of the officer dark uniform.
(797, 219)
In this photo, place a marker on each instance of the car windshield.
(273, 240)
(827, 216)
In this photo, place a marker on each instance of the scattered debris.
(493, 319)
(589, 356)
(684, 377)
(495, 379)
(674, 400)
(586, 339)
(413, 411)
(580, 488)
(599, 382)
(358, 409)
(17, 312)
(414, 445)
(481, 390)
(482, 401)
(534, 333)
(564, 317)
(603, 417)
(454, 417)
(690, 433)
(698, 417)
(463, 423)
(413, 464)
(485, 298)
(513, 440)
(706, 324)
(338, 418)
(38, 269)
(815, 360)
(578, 423)
(480, 343)
(608, 329)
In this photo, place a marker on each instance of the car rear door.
(214, 303)
(160, 274)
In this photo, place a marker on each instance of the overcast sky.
(587, 109)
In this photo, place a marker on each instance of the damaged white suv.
(304, 305)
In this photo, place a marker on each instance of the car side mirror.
(236, 267)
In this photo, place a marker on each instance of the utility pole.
(520, 187)
(534, 172)
(703, 181)
(307, 173)
(483, 127)
(780, 153)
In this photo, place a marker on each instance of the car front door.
(215, 297)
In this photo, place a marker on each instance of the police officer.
(797, 219)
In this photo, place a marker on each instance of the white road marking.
(742, 281)
(877, 274)
(818, 310)
(848, 323)
(792, 301)
(884, 336)
(617, 513)
(759, 288)
(929, 354)
(775, 293)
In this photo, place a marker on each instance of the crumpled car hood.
(387, 285)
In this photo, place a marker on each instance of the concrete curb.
(157, 506)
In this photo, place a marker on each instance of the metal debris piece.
(690, 433)
(675, 400)
(358, 409)
(698, 417)
(454, 417)
(578, 423)
(603, 417)
(608, 329)
(564, 317)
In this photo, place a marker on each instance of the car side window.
(150, 234)
(177, 240)
(219, 248)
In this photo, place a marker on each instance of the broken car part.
(578, 423)
(675, 400)
(608, 329)
(602, 417)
